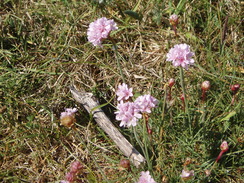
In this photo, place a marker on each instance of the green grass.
(44, 50)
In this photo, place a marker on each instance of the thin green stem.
(184, 94)
(117, 59)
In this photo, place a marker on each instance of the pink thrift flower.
(76, 166)
(99, 30)
(145, 103)
(180, 55)
(146, 178)
(123, 92)
(127, 113)
(186, 175)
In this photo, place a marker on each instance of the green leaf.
(227, 118)
(133, 14)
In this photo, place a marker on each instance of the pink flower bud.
(224, 146)
(173, 19)
(235, 88)
(205, 85)
(182, 97)
(171, 82)
(76, 166)
(125, 163)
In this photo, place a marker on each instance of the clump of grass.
(44, 50)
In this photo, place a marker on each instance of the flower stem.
(184, 94)
(117, 59)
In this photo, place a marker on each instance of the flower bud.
(76, 166)
(149, 131)
(125, 163)
(182, 97)
(224, 146)
(173, 19)
(235, 88)
(205, 85)
(171, 82)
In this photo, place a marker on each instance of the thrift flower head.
(99, 30)
(146, 178)
(186, 175)
(123, 92)
(173, 19)
(127, 113)
(180, 55)
(67, 118)
(145, 103)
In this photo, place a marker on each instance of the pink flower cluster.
(129, 112)
(123, 92)
(145, 103)
(180, 55)
(146, 178)
(99, 30)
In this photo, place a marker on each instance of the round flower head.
(123, 92)
(127, 113)
(146, 178)
(99, 30)
(180, 55)
(145, 103)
